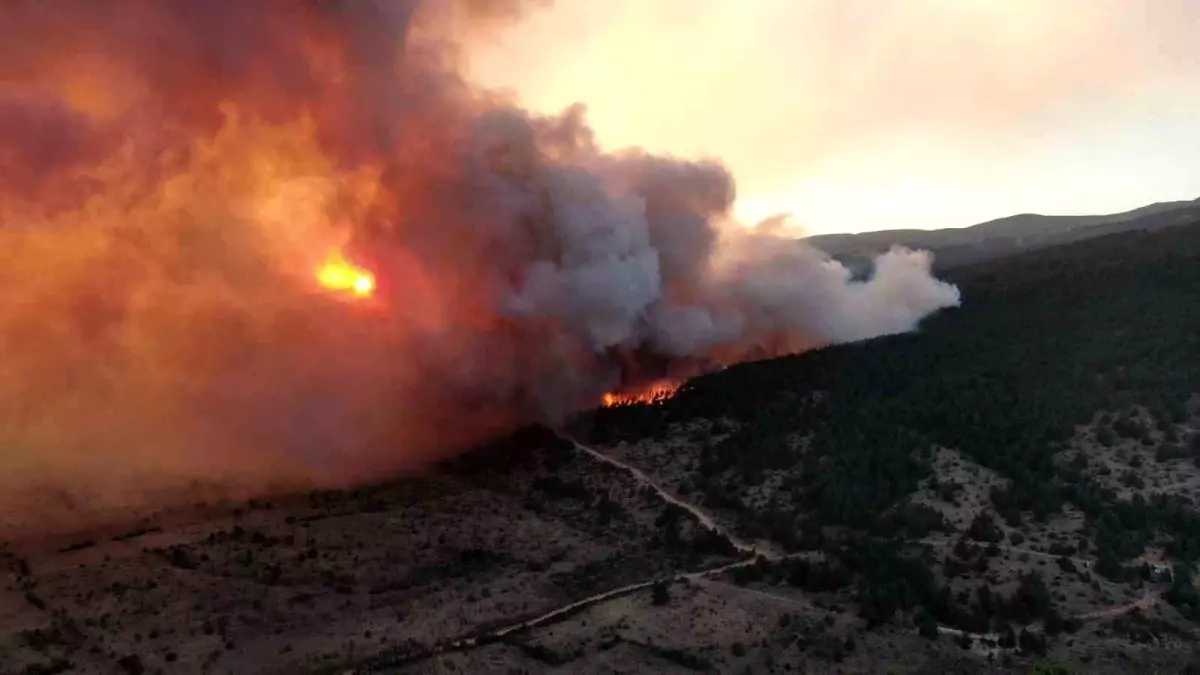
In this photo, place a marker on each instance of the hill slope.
(1058, 406)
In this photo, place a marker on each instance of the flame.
(339, 274)
(651, 395)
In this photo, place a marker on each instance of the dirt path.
(975, 637)
(753, 551)
(548, 617)
(1082, 562)
(721, 586)
(706, 519)
(1149, 599)
(559, 613)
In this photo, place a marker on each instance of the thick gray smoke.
(174, 175)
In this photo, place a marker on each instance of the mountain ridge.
(955, 247)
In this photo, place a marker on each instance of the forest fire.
(654, 394)
(174, 174)
(339, 274)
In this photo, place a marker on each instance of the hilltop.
(957, 247)
(1015, 482)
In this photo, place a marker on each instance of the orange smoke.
(174, 176)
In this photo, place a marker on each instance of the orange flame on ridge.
(651, 395)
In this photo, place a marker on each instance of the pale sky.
(856, 115)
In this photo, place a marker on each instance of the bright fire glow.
(655, 393)
(340, 274)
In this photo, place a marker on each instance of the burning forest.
(259, 245)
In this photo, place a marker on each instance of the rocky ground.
(325, 581)
(402, 576)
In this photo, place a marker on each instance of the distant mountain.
(955, 247)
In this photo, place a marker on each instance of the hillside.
(957, 247)
(1057, 409)
(1015, 482)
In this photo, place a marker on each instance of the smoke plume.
(173, 174)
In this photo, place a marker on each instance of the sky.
(857, 115)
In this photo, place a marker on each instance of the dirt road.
(706, 519)
(1151, 598)
(752, 550)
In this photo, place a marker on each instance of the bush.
(1031, 643)
(1048, 667)
(1130, 428)
(659, 595)
(983, 528)
(926, 626)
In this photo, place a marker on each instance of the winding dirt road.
(1150, 599)
(705, 518)
(752, 551)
